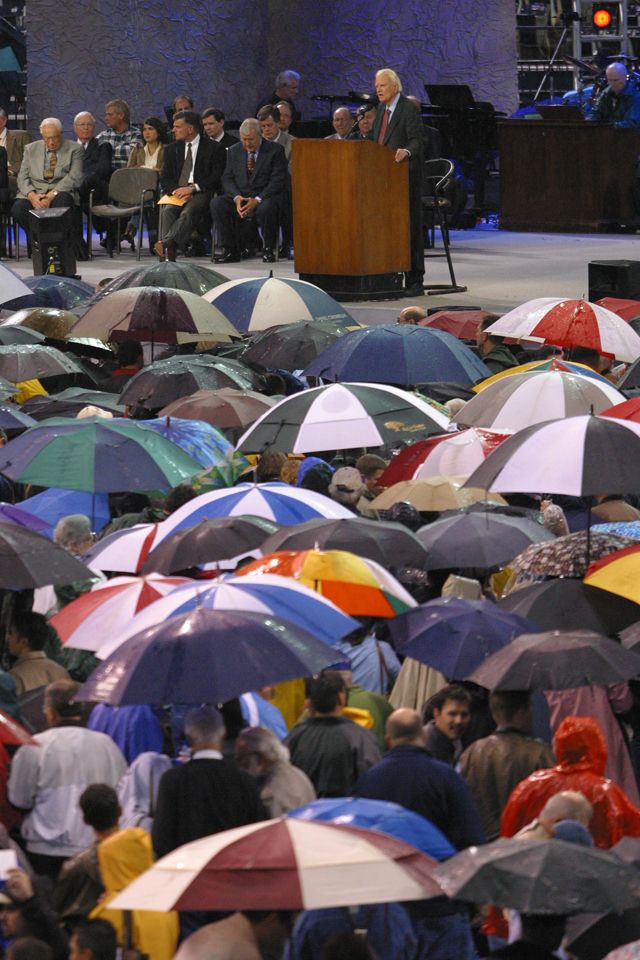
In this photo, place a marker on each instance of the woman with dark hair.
(148, 154)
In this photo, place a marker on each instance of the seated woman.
(149, 155)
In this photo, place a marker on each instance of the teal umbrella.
(96, 455)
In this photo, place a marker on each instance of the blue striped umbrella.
(262, 302)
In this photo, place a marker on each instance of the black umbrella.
(557, 660)
(192, 277)
(209, 541)
(27, 560)
(69, 402)
(565, 604)
(29, 361)
(480, 540)
(166, 380)
(591, 936)
(390, 544)
(540, 877)
(292, 346)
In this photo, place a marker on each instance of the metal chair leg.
(453, 287)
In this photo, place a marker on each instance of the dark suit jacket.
(97, 159)
(404, 130)
(269, 173)
(208, 168)
(4, 176)
(228, 141)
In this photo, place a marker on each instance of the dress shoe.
(231, 256)
(170, 252)
(268, 256)
(413, 290)
(158, 249)
(285, 252)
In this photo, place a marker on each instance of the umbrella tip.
(270, 274)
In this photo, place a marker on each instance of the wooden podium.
(350, 217)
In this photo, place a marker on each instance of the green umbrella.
(96, 455)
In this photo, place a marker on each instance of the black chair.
(8, 226)
(132, 190)
(437, 182)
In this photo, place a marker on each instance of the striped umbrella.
(92, 619)
(570, 323)
(360, 587)
(269, 595)
(155, 314)
(541, 366)
(526, 398)
(261, 302)
(459, 453)
(283, 864)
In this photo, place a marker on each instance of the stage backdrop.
(227, 52)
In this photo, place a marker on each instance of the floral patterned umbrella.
(562, 557)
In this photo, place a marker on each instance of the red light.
(601, 18)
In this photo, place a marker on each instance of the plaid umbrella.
(562, 556)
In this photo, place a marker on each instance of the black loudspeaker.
(52, 241)
(614, 278)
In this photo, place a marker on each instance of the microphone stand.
(567, 19)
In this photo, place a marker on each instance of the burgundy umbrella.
(225, 408)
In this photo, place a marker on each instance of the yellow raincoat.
(123, 857)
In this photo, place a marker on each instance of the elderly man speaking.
(50, 174)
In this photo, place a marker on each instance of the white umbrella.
(284, 864)
(459, 454)
(11, 286)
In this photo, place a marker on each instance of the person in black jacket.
(26, 914)
(253, 186)
(398, 126)
(97, 158)
(191, 170)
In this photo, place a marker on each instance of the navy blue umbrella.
(399, 354)
(455, 636)
(206, 656)
(52, 291)
(383, 816)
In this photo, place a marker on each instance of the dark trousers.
(225, 215)
(178, 223)
(21, 207)
(416, 228)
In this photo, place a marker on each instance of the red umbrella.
(461, 323)
(405, 465)
(627, 309)
(11, 732)
(627, 410)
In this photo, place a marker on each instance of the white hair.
(72, 531)
(51, 122)
(392, 76)
(265, 743)
(83, 113)
(250, 125)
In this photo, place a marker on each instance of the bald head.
(412, 315)
(616, 77)
(404, 727)
(566, 805)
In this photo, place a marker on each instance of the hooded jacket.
(581, 753)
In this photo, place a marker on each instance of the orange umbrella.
(358, 586)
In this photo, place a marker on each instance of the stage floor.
(500, 269)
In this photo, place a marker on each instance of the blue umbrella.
(199, 439)
(8, 511)
(52, 291)
(12, 418)
(455, 636)
(382, 816)
(399, 354)
(262, 302)
(267, 595)
(205, 656)
(53, 504)
(628, 528)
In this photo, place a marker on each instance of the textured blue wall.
(227, 52)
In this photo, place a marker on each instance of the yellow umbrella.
(618, 573)
(433, 494)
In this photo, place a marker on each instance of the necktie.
(383, 126)
(251, 161)
(187, 167)
(49, 173)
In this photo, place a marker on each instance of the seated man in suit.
(269, 118)
(50, 174)
(253, 185)
(342, 123)
(213, 126)
(191, 170)
(14, 142)
(96, 162)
